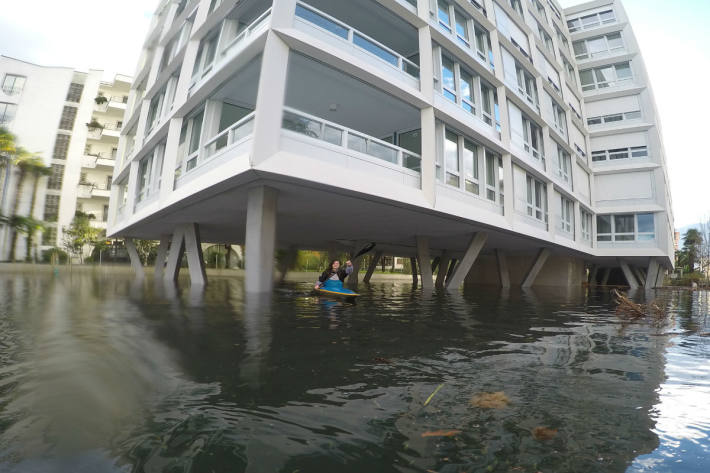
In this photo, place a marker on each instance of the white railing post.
(344, 144)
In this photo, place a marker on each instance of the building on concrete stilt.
(449, 129)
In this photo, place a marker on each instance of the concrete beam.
(503, 272)
(443, 268)
(536, 267)
(605, 277)
(372, 266)
(630, 278)
(260, 239)
(652, 274)
(175, 254)
(195, 258)
(161, 257)
(413, 264)
(135, 259)
(424, 262)
(478, 241)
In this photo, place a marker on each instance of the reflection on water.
(99, 373)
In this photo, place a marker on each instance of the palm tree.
(26, 162)
(7, 149)
(38, 170)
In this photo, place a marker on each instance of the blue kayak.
(336, 289)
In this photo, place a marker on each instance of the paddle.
(365, 249)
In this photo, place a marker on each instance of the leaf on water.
(544, 433)
(441, 433)
(496, 400)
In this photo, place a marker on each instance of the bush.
(689, 279)
(55, 255)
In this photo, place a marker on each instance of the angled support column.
(630, 278)
(452, 267)
(161, 256)
(503, 272)
(640, 277)
(443, 268)
(353, 278)
(536, 267)
(372, 267)
(593, 275)
(260, 240)
(478, 241)
(424, 262)
(175, 254)
(652, 274)
(135, 259)
(413, 264)
(193, 249)
(661, 276)
(605, 277)
(435, 264)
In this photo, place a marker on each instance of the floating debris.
(385, 361)
(433, 394)
(544, 433)
(496, 400)
(630, 310)
(441, 433)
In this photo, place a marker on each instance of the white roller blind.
(510, 29)
(546, 106)
(502, 20)
(623, 140)
(616, 105)
(624, 186)
(509, 69)
(572, 99)
(551, 72)
(515, 117)
(581, 181)
(578, 138)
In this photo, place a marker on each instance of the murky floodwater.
(101, 374)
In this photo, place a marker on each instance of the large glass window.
(532, 138)
(645, 226)
(605, 76)
(460, 153)
(13, 84)
(591, 21)
(536, 198)
(625, 227)
(444, 14)
(462, 87)
(586, 224)
(448, 78)
(470, 163)
(451, 159)
(66, 122)
(7, 112)
(566, 215)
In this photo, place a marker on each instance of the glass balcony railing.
(357, 38)
(323, 130)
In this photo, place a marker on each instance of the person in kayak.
(334, 276)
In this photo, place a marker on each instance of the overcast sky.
(103, 34)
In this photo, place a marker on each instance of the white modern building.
(453, 130)
(49, 110)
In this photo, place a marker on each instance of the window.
(49, 237)
(470, 167)
(206, 54)
(532, 138)
(559, 118)
(7, 112)
(540, 8)
(459, 154)
(448, 78)
(526, 85)
(483, 43)
(516, 5)
(13, 84)
(570, 71)
(599, 46)
(144, 170)
(614, 117)
(491, 175)
(68, 118)
(564, 165)
(464, 88)
(104, 215)
(545, 38)
(591, 21)
(586, 224)
(444, 15)
(620, 153)
(56, 177)
(562, 39)
(536, 198)
(451, 159)
(155, 110)
(214, 4)
(75, 91)
(51, 208)
(605, 76)
(61, 146)
(189, 142)
(566, 215)
(108, 182)
(625, 227)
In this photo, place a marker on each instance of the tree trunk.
(31, 231)
(15, 206)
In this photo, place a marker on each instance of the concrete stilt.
(161, 256)
(193, 249)
(478, 241)
(372, 267)
(413, 264)
(353, 278)
(605, 276)
(435, 264)
(288, 261)
(503, 272)
(652, 274)
(135, 259)
(424, 262)
(443, 268)
(175, 254)
(630, 278)
(640, 277)
(260, 239)
(452, 267)
(536, 267)
(660, 277)
(593, 275)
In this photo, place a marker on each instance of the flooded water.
(100, 373)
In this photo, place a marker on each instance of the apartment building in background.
(511, 141)
(50, 110)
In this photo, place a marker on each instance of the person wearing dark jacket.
(334, 275)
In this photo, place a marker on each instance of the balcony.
(117, 102)
(92, 161)
(88, 190)
(383, 25)
(111, 130)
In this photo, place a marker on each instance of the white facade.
(395, 121)
(50, 108)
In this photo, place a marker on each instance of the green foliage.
(147, 250)
(688, 255)
(80, 233)
(689, 279)
(100, 100)
(55, 255)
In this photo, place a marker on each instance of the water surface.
(102, 373)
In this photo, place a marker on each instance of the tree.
(147, 250)
(704, 253)
(26, 163)
(37, 170)
(79, 234)
(691, 248)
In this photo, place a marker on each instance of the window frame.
(536, 193)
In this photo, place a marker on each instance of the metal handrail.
(403, 63)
